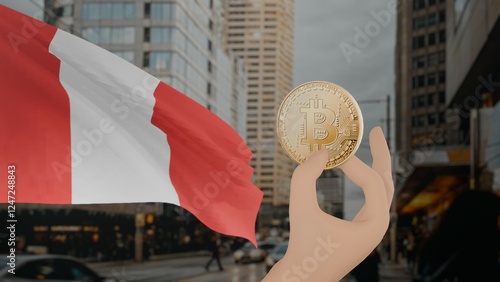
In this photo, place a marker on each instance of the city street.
(332, 137)
(181, 269)
(191, 269)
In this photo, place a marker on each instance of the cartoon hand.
(325, 248)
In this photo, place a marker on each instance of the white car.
(248, 253)
(48, 268)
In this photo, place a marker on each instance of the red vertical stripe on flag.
(209, 165)
(34, 112)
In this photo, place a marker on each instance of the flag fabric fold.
(83, 126)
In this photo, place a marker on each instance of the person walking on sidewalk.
(410, 252)
(214, 247)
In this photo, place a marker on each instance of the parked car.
(276, 254)
(269, 244)
(48, 268)
(248, 253)
(268, 247)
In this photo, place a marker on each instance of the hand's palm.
(323, 247)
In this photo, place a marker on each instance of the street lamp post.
(393, 213)
(139, 234)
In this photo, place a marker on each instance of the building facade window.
(442, 97)
(109, 35)
(179, 39)
(418, 42)
(442, 77)
(431, 119)
(159, 60)
(418, 81)
(126, 55)
(162, 11)
(431, 19)
(442, 57)
(431, 38)
(430, 99)
(442, 16)
(421, 121)
(161, 34)
(108, 10)
(431, 79)
(421, 101)
(147, 10)
(433, 59)
(418, 23)
(65, 11)
(179, 65)
(418, 62)
(442, 36)
(418, 4)
(147, 34)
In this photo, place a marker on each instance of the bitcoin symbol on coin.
(317, 115)
(319, 125)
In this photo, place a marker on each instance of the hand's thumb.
(312, 168)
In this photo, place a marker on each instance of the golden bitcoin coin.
(318, 115)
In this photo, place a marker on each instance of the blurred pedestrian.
(146, 250)
(214, 247)
(367, 270)
(466, 243)
(410, 252)
(130, 246)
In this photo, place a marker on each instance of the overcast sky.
(320, 28)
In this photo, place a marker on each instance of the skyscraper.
(420, 72)
(176, 41)
(261, 33)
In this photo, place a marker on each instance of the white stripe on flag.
(118, 156)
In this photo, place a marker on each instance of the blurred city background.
(427, 71)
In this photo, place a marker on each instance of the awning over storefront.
(482, 75)
(441, 176)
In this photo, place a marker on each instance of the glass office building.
(175, 41)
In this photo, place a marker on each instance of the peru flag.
(83, 126)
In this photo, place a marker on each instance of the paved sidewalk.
(394, 272)
(388, 272)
